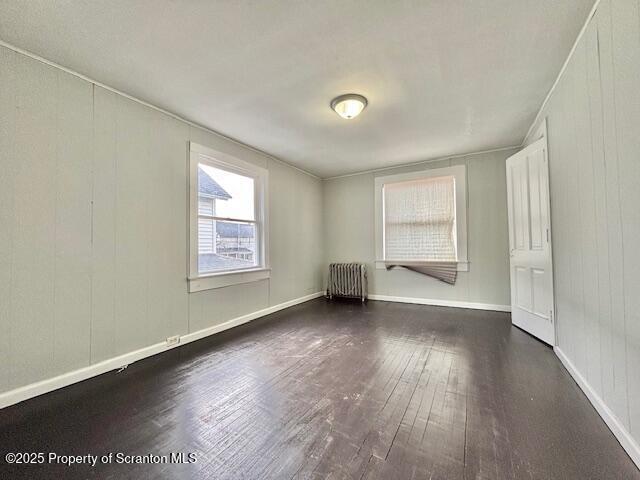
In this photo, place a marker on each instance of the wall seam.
(55, 221)
(92, 198)
(619, 214)
(423, 162)
(150, 105)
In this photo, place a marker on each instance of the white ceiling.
(442, 77)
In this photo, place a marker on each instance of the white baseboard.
(34, 389)
(622, 434)
(234, 322)
(442, 303)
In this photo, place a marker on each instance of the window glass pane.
(226, 245)
(420, 220)
(230, 194)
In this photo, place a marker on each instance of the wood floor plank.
(332, 390)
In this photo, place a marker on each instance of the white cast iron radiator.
(347, 280)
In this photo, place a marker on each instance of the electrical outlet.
(173, 340)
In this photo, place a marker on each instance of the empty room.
(330, 239)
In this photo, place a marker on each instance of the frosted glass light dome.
(349, 106)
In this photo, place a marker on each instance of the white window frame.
(199, 154)
(459, 172)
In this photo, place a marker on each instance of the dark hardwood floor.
(332, 390)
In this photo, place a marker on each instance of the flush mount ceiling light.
(349, 106)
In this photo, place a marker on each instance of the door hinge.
(548, 239)
(551, 316)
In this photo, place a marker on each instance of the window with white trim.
(227, 220)
(421, 217)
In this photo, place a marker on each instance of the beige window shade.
(420, 220)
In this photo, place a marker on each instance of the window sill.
(226, 279)
(462, 266)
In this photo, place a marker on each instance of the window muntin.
(227, 229)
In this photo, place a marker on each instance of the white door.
(530, 241)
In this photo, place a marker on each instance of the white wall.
(79, 284)
(349, 233)
(593, 121)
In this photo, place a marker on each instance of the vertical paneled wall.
(139, 205)
(93, 226)
(593, 121)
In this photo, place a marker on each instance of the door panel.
(538, 226)
(539, 289)
(520, 201)
(529, 241)
(523, 288)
